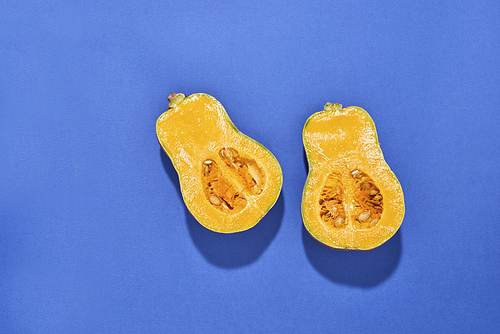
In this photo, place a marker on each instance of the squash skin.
(197, 129)
(341, 141)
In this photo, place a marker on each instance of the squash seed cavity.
(331, 201)
(369, 200)
(245, 171)
(366, 199)
(221, 194)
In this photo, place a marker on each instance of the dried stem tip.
(172, 96)
(175, 98)
(332, 106)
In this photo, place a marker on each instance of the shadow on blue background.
(230, 250)
(364, 269)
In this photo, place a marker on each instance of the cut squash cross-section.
(228, 180)
(351, 199)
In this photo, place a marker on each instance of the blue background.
(95, 237)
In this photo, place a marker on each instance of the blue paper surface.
(95, 237)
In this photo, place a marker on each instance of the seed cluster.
(219, 191)
(331, 202)
(243, 169)
(369, 201)
(245, 178)
(365, 196)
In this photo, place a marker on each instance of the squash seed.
(227, 154)
(338, 221)
(374, 222)
(365, 186)
(364, 216)
(215, 200)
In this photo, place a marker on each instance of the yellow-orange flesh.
(228, 180)
(352, 199)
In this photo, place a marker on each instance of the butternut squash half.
(228, 180)
(351, 199)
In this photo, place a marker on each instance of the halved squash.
(351, 199)
(228, 180)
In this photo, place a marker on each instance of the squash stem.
(333, 106)
(175, 99)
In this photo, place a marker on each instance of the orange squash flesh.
(228, 180)
(351, 199)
